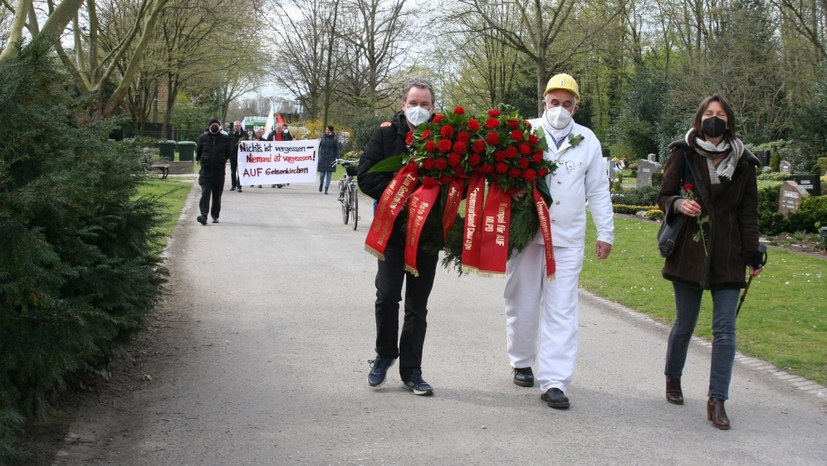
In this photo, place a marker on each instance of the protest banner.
(277, 162)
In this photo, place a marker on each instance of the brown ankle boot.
(674, 394)
(716, 413)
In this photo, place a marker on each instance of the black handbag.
(670, 232)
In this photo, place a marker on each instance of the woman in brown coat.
(711, 178)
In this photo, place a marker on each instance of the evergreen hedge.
(78, 265)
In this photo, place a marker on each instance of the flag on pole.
(269, 125)
(280, 119)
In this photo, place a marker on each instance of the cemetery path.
(259, 356)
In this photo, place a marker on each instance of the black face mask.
(714, 127)
(214, 129)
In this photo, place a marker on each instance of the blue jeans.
(322, 179)
(687, 308)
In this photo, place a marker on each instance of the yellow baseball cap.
(563, 81)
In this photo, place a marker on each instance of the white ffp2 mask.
(417, 115)
(558, 117)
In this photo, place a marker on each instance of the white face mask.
(417, 115)
(558, 117)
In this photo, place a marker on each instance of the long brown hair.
(696, 122)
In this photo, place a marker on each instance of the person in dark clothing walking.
(710, 177)
(236, 136)
(213, 150)
(328, 153)
(387, 141)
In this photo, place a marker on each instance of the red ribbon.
(545, 230)
(392, 202)
(496, 220)
(473, 220)
(419, 206)
(453, 198)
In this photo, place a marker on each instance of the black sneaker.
(379, 368)
(523, 377)
(202, 220)
(415, 383)
(215, 220)
(555, 398)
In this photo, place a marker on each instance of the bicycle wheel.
(354, 205)
(345, 204)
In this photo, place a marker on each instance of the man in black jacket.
(213, 150)
(387, 141)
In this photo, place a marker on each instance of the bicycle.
(348, 191)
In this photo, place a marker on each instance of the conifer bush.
(78, 272)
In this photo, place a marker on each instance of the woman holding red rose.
(710, 177)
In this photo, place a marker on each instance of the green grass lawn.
(172, 193)
(783, 319)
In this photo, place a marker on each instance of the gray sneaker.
(415, 383)
(379, 369)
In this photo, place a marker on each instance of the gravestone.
(809, 182)
(763, 157)
(785, 167)
(652, 157)
(791, 196)
(645, 169)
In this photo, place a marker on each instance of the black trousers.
(211, 185)
(389, 279)
(235, 183)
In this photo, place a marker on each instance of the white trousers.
(533, 303)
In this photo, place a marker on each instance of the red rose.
(409, 138)
(438, 117)
(492, 138)
(460, 147)
(445, 179)
(444, 145)
(428, 182)
(687, 187)
(494, 113)
(501, 167)
(525, 148)
(499, 156)
(529, 175)
(513, 124)
(532, 139)
(527, 124)
(428, 164)
(511, 152)
(523, 162)
(447, 131)
(543, 172)
(459, 110)
(473, 125)
(517, 135)
(441, 164)
(453, 159)
(430, 146)
(515, 173)
(487, 168)
(463, 136)
(492, 123)
(478, 147)
(537, 157)
(426, 134)
(412, 166)
(474, 159)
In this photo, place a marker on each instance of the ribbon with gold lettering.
(473, 220)
(545, 230)
(453, 198)
(392, 202)
(419, 206)
(495, 223)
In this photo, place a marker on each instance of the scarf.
(709, 151)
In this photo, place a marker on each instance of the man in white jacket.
(532, 302)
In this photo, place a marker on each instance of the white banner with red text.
(277, 162)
